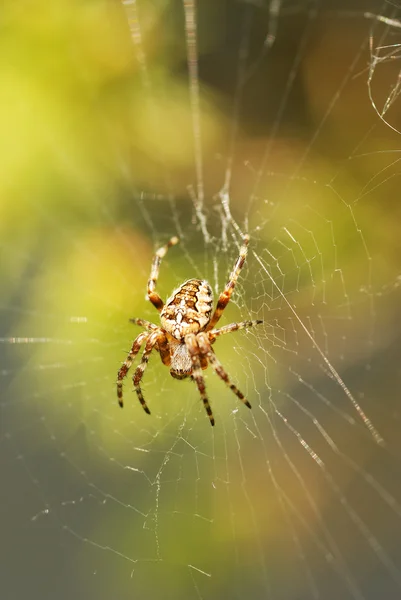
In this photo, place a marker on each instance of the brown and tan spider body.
(187, 311)
(185, 336)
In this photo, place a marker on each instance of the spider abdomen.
(188, 310)
(181, 363)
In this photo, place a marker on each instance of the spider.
(187, 331)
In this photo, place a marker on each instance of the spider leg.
(162, 343)
(154, 273)
(225, 295)
(143, 323)
(193, 349)
(127, 364)
(139, 371)
(215, 333)
(163, 349)
(206, 350)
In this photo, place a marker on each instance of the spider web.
(206, 121)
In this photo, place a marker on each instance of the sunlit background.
(123, 124)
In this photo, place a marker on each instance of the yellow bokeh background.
(99, 164)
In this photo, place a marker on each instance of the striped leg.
(139, 371)
(127, 364)
(162, 344)
(163, 349)
(225, 295)
(206, 349)
(154, 273)
(215, 333)
(143, 323)
(193, 349)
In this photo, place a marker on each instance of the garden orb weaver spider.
(186, 334)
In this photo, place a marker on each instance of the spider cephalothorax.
(187, 331)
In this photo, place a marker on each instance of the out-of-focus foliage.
(91, 119)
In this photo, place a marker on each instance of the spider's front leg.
(225, 295)
(154, 273)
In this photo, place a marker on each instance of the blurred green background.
(106, 151)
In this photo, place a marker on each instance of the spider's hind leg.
(127, 364)
(139, 371)
(215, 333)
(193, 349)
(162, 347)
(144, 323)
(207, 351)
